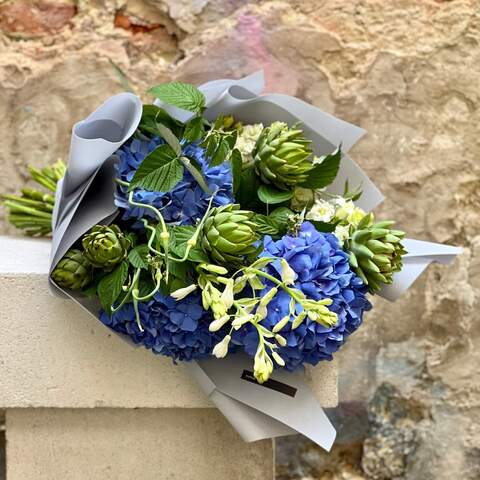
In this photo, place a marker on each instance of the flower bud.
(287, 274)
(183, 292)
(209, 267)
(280, 340)
(280, 361)
(281, 323)
(298, 320)
(221, 348)
(261, 312)
(242, 320)
(219, 323)
(266, 299)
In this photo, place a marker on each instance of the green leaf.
(110, 286)
(180, 236)
(266, 225)
(221, 153)
(170, 138)
(132, 238)
(246, 195)
(271, 195)
(153, 115)
(281, 216)
(194, 129)
(138, 256)
(324, 173)
(181, 95)
(196, 171)
(236, 160)
(160, 171)
(323, 227)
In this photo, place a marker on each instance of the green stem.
(125, 298)
(152, 293)
(277, 282)
(16, 207)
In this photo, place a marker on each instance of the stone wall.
(407, 71)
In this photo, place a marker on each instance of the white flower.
(227, 294)
(247, 139)
(183, 292)
(262, 367)
(321, 211)
(221, 348)
(344, 210)
(288, 274)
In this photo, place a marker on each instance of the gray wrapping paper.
(85, 197)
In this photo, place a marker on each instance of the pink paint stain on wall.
(279, 78)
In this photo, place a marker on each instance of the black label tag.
(271, 384)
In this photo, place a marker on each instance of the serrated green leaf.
(194, 129)
(160, 171)
(324, 173)
(236, 161)
(181, 95)
(271, 195)
(110, 286)
(281, 215)
(266, 225)
(138, 256)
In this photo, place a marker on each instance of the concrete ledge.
(106, 444)
(53, 354)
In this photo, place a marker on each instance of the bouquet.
(217, 223)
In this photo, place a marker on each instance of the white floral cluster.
(337, 210)
(247, 139)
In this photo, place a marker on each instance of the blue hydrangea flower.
(176, 329)
(323, 271)
(187, 201)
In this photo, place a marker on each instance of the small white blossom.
(221, 348)
(262, 367)
(247, 139)
(321, 211)
(181, 293)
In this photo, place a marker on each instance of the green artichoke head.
(229, 235)
(283, 156)
(375, 251)
(73, 271)
(105, 246)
